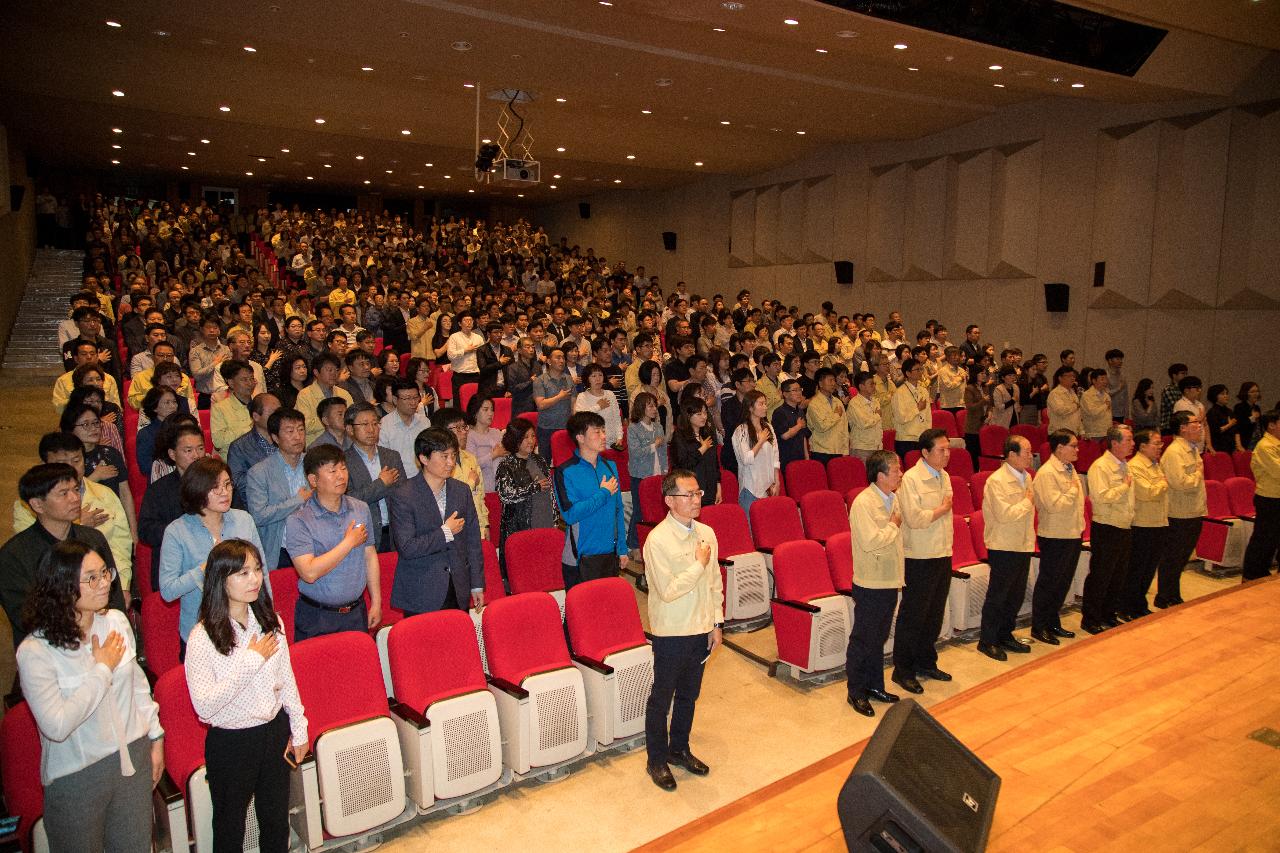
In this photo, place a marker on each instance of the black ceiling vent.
(1044, 28)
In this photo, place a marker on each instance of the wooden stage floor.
(1137, 739)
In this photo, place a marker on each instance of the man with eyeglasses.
(52, 491)
(686, 619)
(371, 470)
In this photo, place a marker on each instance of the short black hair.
(323, 407)
(1189, 382)
(1180, 419)
(41, 479)
(879, 462)
(231, 367)
(320, 456)
(280, 415)
(929, 436)
(322, 359)
(1060, 437)
(434, 440)
(580, 422)
(59, 442)
(447, 417)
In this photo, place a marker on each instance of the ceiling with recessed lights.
(382, 95)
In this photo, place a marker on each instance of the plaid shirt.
(1171, 395)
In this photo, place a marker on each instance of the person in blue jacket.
(591, 504)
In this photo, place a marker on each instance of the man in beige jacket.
(875, 522)
(1184, 469)
(911, 415)
(1009, 513)
(1063, 402)
(1111, 491)
(1150, 528)
(1058, 492)
(925, 501)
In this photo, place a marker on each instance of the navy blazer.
(371, 490)
(427, 562)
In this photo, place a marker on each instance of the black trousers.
(1108, 564)
(1265, 541)
(824, 458)
(902, 448)
(924, 602)
(872, 619)
(1184, 533)
(677, 681)
(1058, 561)
(243, 764)
(450, 603)
(460, 379)
(1146, 547)
(1005, 593)
(310, 621)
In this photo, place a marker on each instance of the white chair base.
(546, 723)
(967, 596)
(747, 587)
(454, 752)
(616, 699)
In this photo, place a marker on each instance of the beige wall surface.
(17, 234)
(1181, 201)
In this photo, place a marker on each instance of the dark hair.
(85, 394)
(1114, 435)
(646, 370)
(862, 376)
(50, 607)
(1113, 353)
(1187, 382)
(514, 434)
(323, 407)
(41, 479)
(1061, 372)
(198, 481)
(321, 455)
(1180, 419)
(434, 439)
(151, 401)
(1245, 388)
(225, 559)
(229, 368)
(71, 414)
(1267, 419)
(788, 384)
(448, 416)
(163, 369)
(929, 436)
(670, 479)
(580, 422)
(1144, 436)
(324, 358)
(173, 428)
(1061, 437)
(1177, 367)
(474, 404)
(1144, 386)
(83, 370)
(879, 462)
(688, 408)
(59, 442)
(587, 371)
(280, 415)
(1214, 391)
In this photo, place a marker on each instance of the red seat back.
(523, 636)
(465, 392)
(602, 618)
(962, 552)
(800, 571)
(823, 514)
(562, 446)
(1037, 435)
(204, 416)
(978, 486)
(944, 420)
(991, 440)
(183, 732)
(619, 460)
(845, 472)
(1219, 466)
(1240, 492)
(851, 494)
(531, 417)
(20, 769)
(887, 439)
(977, 529)
(434, 656)
(840, 560)
(493, 589)
(386, 580)
(350, 660)
(960, 464)
(284, 596)
(774, 521)
(533, 560)
(1215, 494)
(1242, 462)
(652, 506)
(160, 627)
(804, 476)
(142, 567)
(404, 362)
(494, 504)
(1090, 452)
(728, 486)
(961, 498)
(501, 412)
(730, 525)
(909, 462)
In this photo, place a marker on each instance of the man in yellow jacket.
(1265, 464)
(1059, 497)
(1111, 490)
(828, 430)
(875, 522)
(1150, 528)
(1009, 513)
(1184, 469)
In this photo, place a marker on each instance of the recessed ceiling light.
(327, 166)
(359, 156)
(205, 141)
(429, 165)
(724, 122)
(366, 67)
(113, 24)
(733, 5)
(117, 147)
(604, 2)
(262, 159)
(561, 149)
(998, 85)
(557, 177)
(617, 180)
(899, 46)
(406, 132)
(368, 182)
(519, 195)
(224, 108)
(470, 191)
(553, 186)
(717, 29)
(912, 68)
(191, 153)
(486, 141)
(250, 49)
(462, 46)
(1077, 85)
(284, 150)
(422, 186)
(388, 171)
(846, 34)
(697, 162)
(995, 67)
(646, 112)
(631, 156)
(161, 33)
(560, 100)
(310, 178)
(116, 130)
(319, 121)
(118, 93)
(115, 162)
(468, 85)
(791, 22)
(819, 50)
(447, 177)
(800, 133)
(250, 174)
(186, 168)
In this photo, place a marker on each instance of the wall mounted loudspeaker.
(1057, 297)
(1100, 274)
(917, 788)
(584, 210)
(669, 240)
(16, 193)
(844, 272)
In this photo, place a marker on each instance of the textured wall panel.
(819, 218)
(926, 219)
(1124, 211)
(1249, 274)
(742, 228)
(1016, 217)
(766, 246)
(886, 216)
(969, 215)
(790, 243)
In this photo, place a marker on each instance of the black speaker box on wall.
(844, 272)
(1099, 273)
(584, 210)
(1057, 297)
(16, 194)
(917, 788)
(669, 240)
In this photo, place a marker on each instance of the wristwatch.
(719, 625)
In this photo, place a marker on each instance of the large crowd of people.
(350, 372)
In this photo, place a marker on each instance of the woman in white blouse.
(601, 401)
(242, 687)
(99, 727)
(757, 452)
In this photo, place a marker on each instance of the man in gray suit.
(435, 528)
(277, 485)
(371, 470)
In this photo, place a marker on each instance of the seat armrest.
(763, 550)
(509, 688)
(592, 663)
(410, 714)
(1222, 521)
(1249, 517)
(959, 575)
(167, 789)
(845, 592)
(798, 605)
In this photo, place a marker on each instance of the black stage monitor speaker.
(844, 272)
(16, 192)
(916, 789)
(584, 209)
(669, 240)
(1099, 273)
(1057, 297)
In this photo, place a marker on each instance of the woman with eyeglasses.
(207, 519)
(242, 686)
(102, 464)
(99, 727)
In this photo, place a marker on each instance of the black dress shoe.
(1013, 644)
(882, 696)
(935, 674)
(1045, 637)
(862, 706)
(1112, 622)
(687, 760)
(1177, 600)
(908, 683)
(1121, 617)
(1161, 604)
(1091, 628)
(1138, 614)
(1062, 632)
(992, 651)
(661, 776)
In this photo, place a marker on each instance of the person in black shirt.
(693, 448)
(733, 410)
(809, 364)
(677, 369)
(789, 425)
